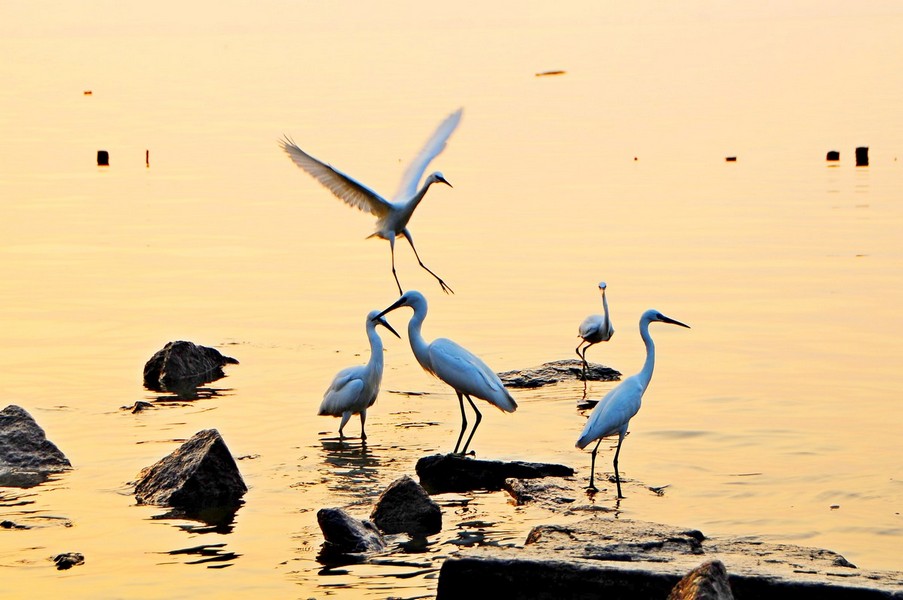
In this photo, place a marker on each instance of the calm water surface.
(777, 415)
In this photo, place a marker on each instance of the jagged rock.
(621, 558)
(550, 493)
(708, 581)
(68, 560)
(405, 507)
(26, 455)
(559, 370)
(455, 473)
(346, 535)
(200, 474)
(182, 365)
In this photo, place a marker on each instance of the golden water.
(780, 403)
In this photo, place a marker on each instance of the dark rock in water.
(455, 473)
(11, 525)
(346, 535)
(181, 365)
(200, 474)
(621, 558)
(550, 493)
(138, 406)
(405, 507)
(68, 560)
(708, 581)
(556, 371)
(26, 455)
(862, 156)
(833, 155)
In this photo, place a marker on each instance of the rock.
(405, 507)
(556, 371)
(200, 474)
(455, 473)
(346, 535)
(622, 558)
(68, 560)
(26, 455)
(708, 581)
(549, 493)
(180, 365)
(11, 525)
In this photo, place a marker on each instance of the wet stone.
(441, 473)
(405, 507)
(200, 474)
(68, 560)
(345, 534)
(26, 455)
(557, 371)
(182, 365)
(708, 581)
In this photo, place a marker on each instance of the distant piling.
(147, 158)
(730, 159)
(833, 156)
(862, 156)
(103, 158)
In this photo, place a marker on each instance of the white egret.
(612, 414)
(455, 365)
(392, 216)
(595, 329)
(354, 390)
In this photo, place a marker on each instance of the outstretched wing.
(344, 187)
(436, 144)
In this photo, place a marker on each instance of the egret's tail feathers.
(583, 441)
(507, 403)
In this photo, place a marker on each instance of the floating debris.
(550, 73)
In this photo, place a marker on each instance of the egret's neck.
(376, 348)
(605, 308)
(413, 202)
(419, 346)
(646, 373)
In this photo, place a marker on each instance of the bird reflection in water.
(351, 467)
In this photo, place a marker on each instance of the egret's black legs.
(463, 421)
(395, 275)
(445, 288)
(617, 475)
(475, 425)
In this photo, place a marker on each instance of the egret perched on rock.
(614, 411)
(392, 216)
(595, 329)
(455, 365)
(354, 390)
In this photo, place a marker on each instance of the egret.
(455, 365)
(392, 216)
(612, 414)
(354, 390)
(595, 329)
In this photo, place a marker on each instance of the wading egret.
(595, 329)
(615, 410)
(455, 365)
(392, 216)
(354, 390)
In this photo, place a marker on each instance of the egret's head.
(602, 285)
(438, 177)
(654, 315)
(376, 319)
(411, 298)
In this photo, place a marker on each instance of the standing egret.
(594, 329)
(392, 216)
(354, 390)
(455, 365)
(614, 411)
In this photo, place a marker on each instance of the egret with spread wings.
(392, 216)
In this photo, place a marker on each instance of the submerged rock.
(637, 559)
(405, 507)
(200, 474)
(26, 455)
(182, 365)
(345, 534)
(556, 371)
(455, 473)
(68, 560)
(708, 581)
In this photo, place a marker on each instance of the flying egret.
(594, 329)
(354, 390)
(455, 365)
(614, 411)
(392, 216)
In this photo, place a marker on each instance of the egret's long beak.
(445, 181)
(385, 324)
(399, 302)
(674, 321)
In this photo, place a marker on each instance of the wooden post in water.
(103, 158)
(862, 156)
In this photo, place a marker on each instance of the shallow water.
(775, 416)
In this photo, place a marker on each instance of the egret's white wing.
(613, 412)
(344, 393)
(436, 144)
(465, 372)
(344, 187)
